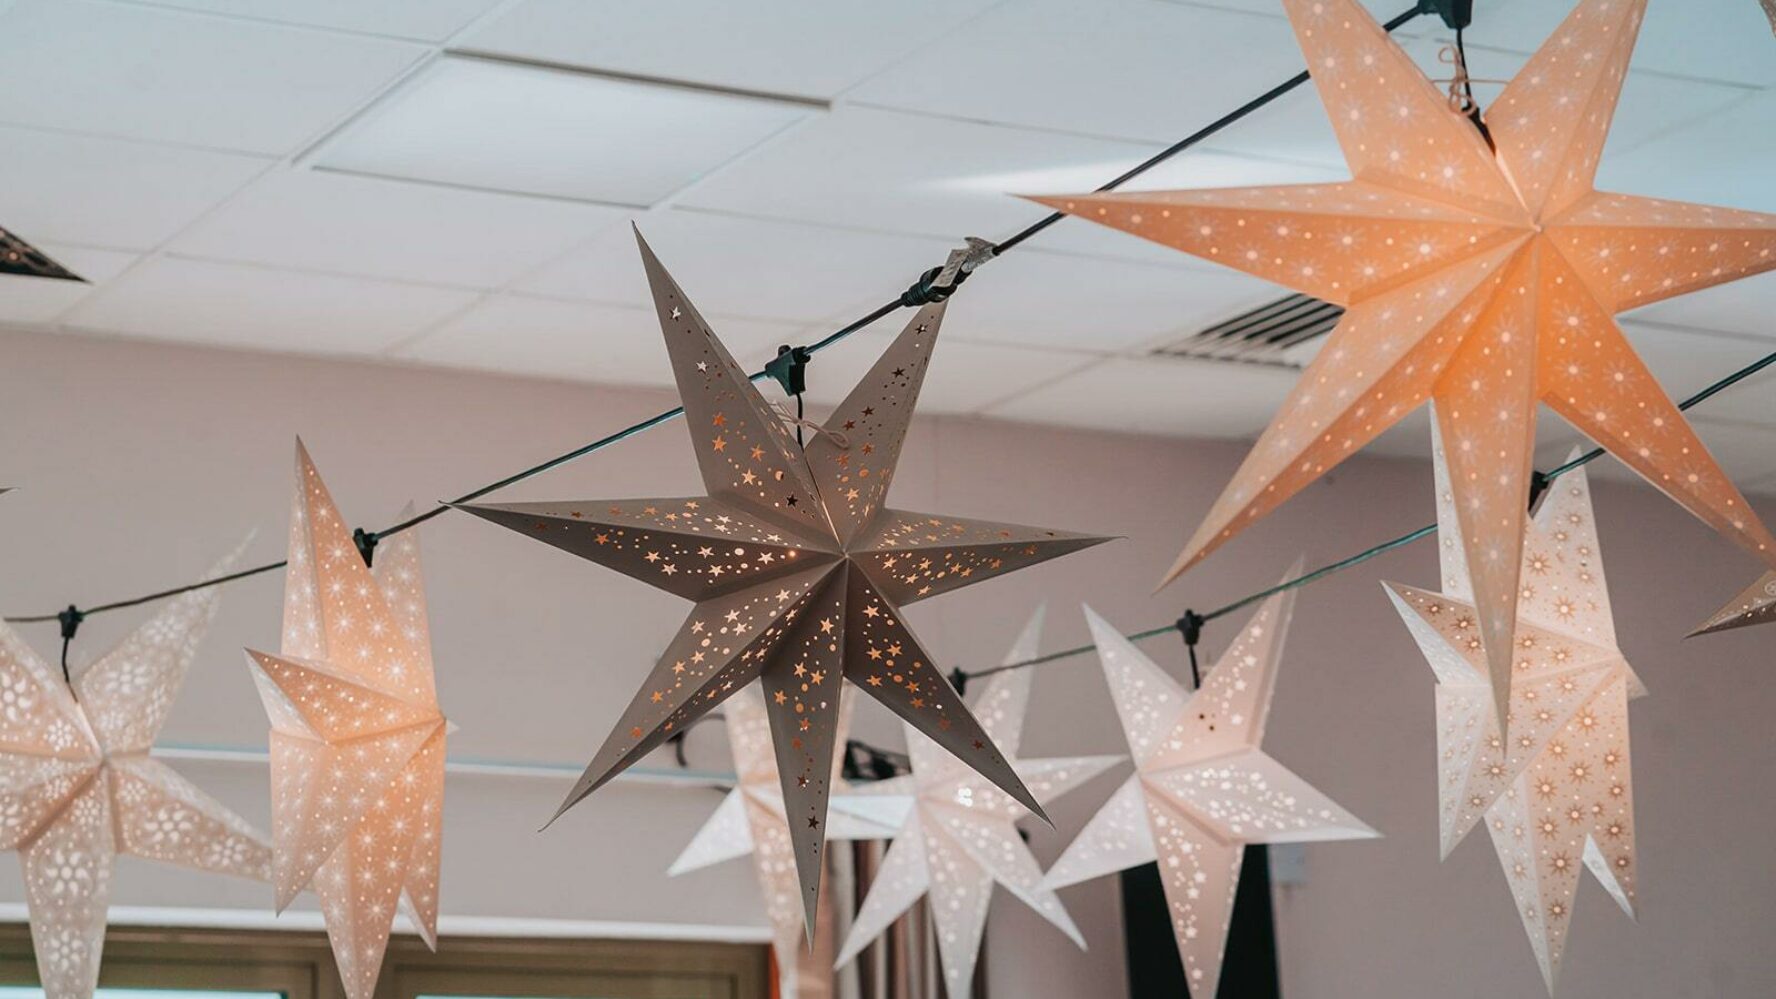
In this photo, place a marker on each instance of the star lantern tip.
(1484, 280)
(1756, 604)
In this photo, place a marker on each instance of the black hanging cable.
(924, 291)
(1191, 625)
(1539, 483)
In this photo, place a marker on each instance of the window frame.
(299, 965)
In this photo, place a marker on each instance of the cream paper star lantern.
(960, 837)
(78, 784)
(1756, 605)
(1202, 788)
(797, 566)
(357, 738)
(1486, 280)
(751, 820)
(1557, 793)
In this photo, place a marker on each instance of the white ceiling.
(448, 182)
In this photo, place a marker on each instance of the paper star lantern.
(961, 838)
(357, 739)
(1202, 788)
(1557, 792)
(797, 567)
(1757, 605)
(751, 820)
(1486, 281)
(78, 787)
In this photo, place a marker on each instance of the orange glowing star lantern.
(1484, 280)
(357, 740)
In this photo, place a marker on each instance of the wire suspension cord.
(1182, 624)
(920, 293)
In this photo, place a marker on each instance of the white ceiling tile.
(1723, 159)
(534, 130)
(323, 221)
(38, 300)
(521, 334)
(422, 20)
(151, 73)
(259, 308)
(899, 172)
(1705, 39)
(965, 376)
(1173, 397)
(1130, 69)
(110, 192)
(1057, 301)
(779, 46)
(1746, 306)
(743, 266)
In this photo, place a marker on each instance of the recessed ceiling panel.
(110, 192)
(259, 308)
(815, 48)
(316, 220)
(170, 76)
(745, 266)
(421, 20)
(522, 129)
(1167, 396)
(550, 338)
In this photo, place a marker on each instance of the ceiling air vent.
(1265, 335)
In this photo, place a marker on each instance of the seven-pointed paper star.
(357, 739)
(961, 838)
(1757, 605)
(797, 567)
(1202, 787)
(1557, 792)
(750, 820)
(78, 787)
(1486, 281)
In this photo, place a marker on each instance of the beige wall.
(141, 463)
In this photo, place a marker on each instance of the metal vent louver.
(1265, 335)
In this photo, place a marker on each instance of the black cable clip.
(1538, 484)
(1191, 626)
(366, 542)
(70, 620)
(939, 283)
(1456, 14)
(790, 368)
(959, 680)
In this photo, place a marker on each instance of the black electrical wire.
(1541, 480)
(922, 292)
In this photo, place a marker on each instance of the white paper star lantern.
(1556, 792)
(78, 787)
(1202, 789)
(960, 837)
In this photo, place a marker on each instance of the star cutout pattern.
(1757, 605)
(1202, 788)
(1557, 792)
(797, 568)
(1487, 281)
(961, 837)
(78, 786)
(357, 738)
(751, 820)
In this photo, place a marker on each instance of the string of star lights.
(935, 285)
